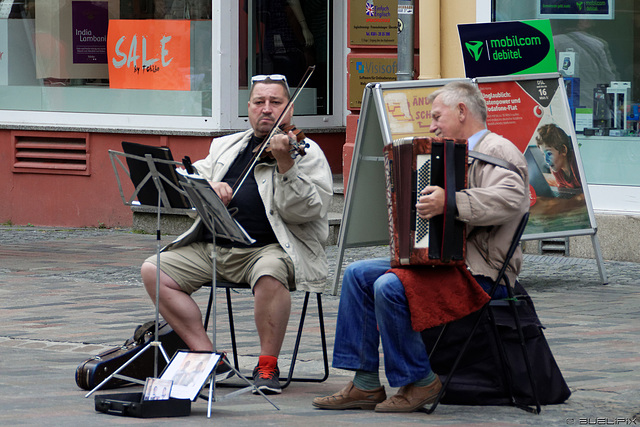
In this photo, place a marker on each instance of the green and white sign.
(507, 48)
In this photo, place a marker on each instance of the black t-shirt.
(250, 212)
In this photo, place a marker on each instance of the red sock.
(268, 361)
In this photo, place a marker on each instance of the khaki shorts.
(191, 266)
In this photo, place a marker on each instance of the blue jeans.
(373, 308)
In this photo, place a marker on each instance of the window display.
(285, 37)
(154, 58)
(596, 51)
(107, 56)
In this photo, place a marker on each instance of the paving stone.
(69, 294)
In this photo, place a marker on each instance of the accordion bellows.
(410, 165)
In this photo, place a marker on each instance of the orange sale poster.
(149, 54)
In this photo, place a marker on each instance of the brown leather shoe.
(411, 397)
(351, 397)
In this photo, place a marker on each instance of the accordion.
(410, 165)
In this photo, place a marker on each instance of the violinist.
(282, 204)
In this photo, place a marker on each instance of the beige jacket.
(296, 203)
(492, 206)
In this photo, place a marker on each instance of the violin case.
(96, 369)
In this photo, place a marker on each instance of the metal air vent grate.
(35, 154)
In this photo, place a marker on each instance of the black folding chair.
(228, 287)
(513, 303)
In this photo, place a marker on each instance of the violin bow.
(274, 129)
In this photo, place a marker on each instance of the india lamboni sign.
(505, 48)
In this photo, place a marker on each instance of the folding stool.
(228, 286)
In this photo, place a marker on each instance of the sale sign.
(149, 54)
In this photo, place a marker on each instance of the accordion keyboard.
(423, 179)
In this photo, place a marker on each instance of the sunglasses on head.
(272, 77)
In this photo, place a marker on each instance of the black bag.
(479, 378)
(93, 371)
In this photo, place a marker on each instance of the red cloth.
(439, 295)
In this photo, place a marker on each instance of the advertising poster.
(149, 54)
(533, 114)
(408, 111)
(373, 23)
(89, 22)
(507, 48)
(71, 38)
(573, 9)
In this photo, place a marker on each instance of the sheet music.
(213, 212)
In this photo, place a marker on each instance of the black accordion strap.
(494, 161)
(448, 246)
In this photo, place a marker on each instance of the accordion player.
(411, 164)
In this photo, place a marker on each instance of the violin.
(298, 145)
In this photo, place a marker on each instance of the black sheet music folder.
(138, 170)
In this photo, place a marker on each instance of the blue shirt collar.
(473, 139)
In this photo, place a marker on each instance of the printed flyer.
(408, 111)
(533, 115)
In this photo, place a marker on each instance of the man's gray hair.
(453, 93)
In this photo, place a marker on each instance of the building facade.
(79, 77)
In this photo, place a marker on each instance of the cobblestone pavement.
(68, 294)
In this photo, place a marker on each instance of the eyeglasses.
(273, 77)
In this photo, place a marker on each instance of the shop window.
(59, 56)
(286, 37)
(597, 52)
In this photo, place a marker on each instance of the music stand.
(139, 173)
(216, 218)
(161, 171)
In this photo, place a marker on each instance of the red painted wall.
(45, 199)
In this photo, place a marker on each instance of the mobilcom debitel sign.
(505, 48)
